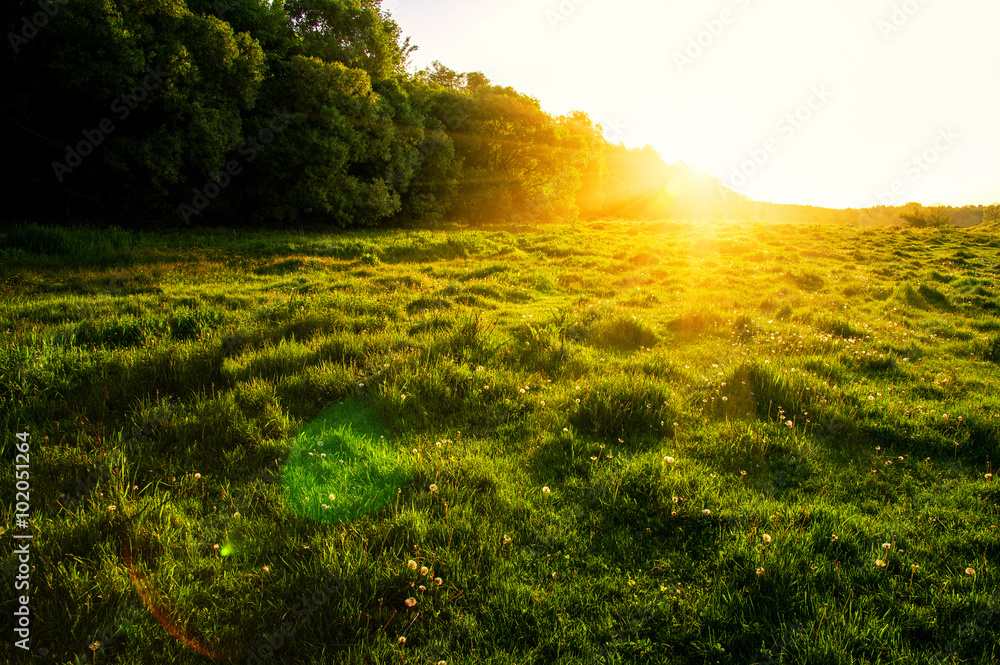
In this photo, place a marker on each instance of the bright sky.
(904, 94)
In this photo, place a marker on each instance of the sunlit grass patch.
(341, 466)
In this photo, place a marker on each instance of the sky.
(847, 103)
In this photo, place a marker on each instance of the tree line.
(244, 112)
(250, 111)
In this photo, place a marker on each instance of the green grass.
(683, 390)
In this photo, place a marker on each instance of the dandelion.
(546, 490)
(789, 424)
(438, 581)
(970, 571)
(94, 646)
(506, 539)
(410, 602)
(945, 416)
(725, 399)
(197, 476)
(880, 563)
(706, 512)
(424, 570)
(215, 547)
(988, 476)
(324, 506)
(437, 444)
(553, 575)
(668, 460)
(522, 391)
(712, 475)
(834, 538)
(760, 571)
(112, 509)
(266, 569)
(914, 567)
(236, 515)
(886, 546)
(422, 588)
(677, 499)
(402, 640)
(673, 513)
(767, 538)
(415, 451)
(412, 564)
(331, 497)
(433, 488)
(742, 473)
(565, 429)
(676, 425)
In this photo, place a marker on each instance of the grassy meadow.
(613, 442)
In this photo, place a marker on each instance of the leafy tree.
(356, 33)
(116, 103)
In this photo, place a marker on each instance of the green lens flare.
(342, 465)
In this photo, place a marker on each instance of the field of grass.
(602, 443)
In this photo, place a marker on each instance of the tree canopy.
(236, 112)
